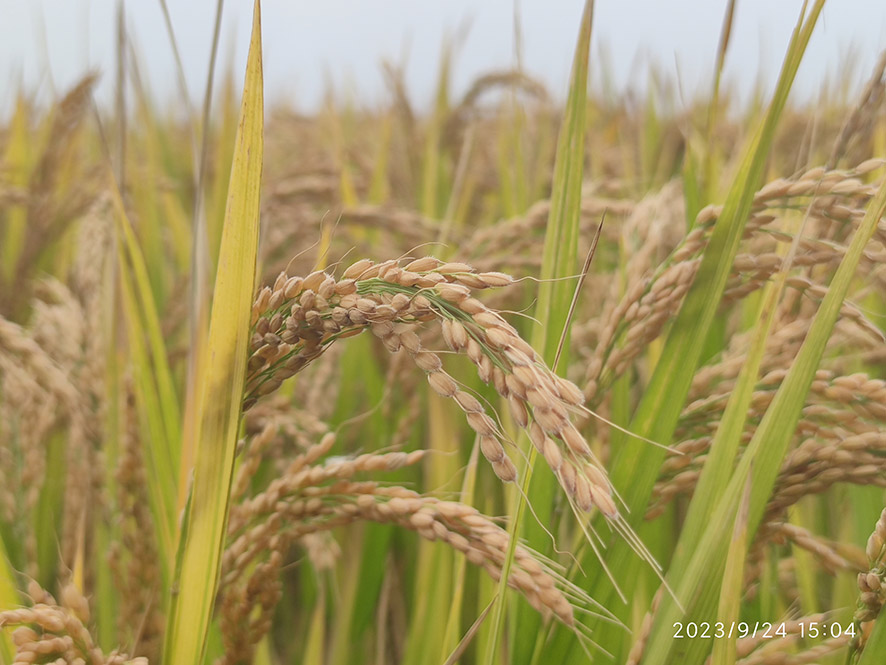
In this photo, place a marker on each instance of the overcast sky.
(48, 44)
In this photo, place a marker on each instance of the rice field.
(501, 381)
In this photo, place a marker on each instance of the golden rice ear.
(62, 629)
(298, 326)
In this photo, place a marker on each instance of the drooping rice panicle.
(295, 322)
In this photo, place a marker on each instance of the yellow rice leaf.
(17, 162)
(8, 600)
(220, 385)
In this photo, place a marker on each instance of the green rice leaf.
(552, 311)
(144, 321)
(731, 592)
(876, 644)
(161, 473)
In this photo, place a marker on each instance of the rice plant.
(500, 382)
